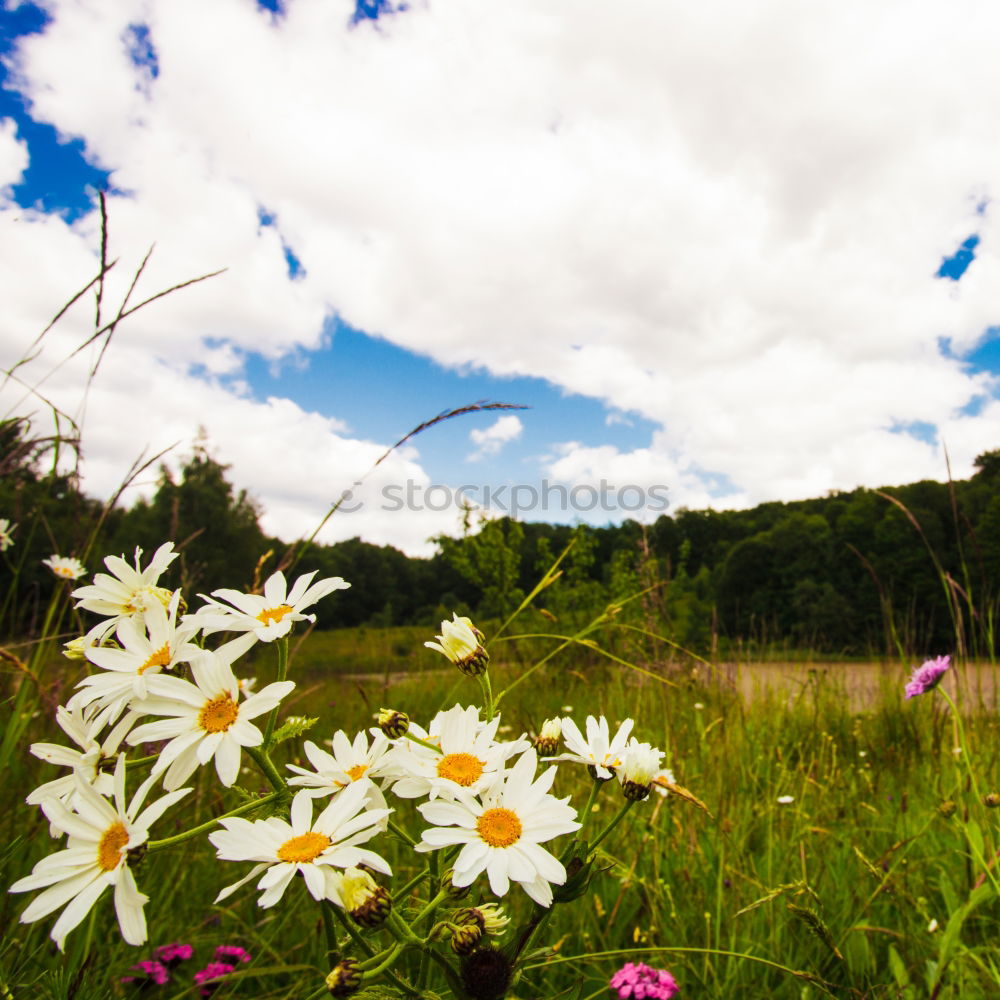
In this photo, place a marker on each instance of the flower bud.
(488, 917)
(394, 724)
(992, 801)
(454, 891)
(365, 900)
(947, 808)
(345, 978)
(462, 643)
(74, 649)
(465, 937)
(547, 741)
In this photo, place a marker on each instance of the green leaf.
(293, 727)
(897, 968)
(383, 993)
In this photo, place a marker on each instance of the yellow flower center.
(65, 571)
(217, 715)
(271, 616)
(109, 848)
(462, 768)
(358, 771)
(161, 658)
(499, 827)
(304, 847)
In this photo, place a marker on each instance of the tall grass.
(863, 885)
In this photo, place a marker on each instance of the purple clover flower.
(151, 973)
(209, 979)
(231, 953)
(173, 954)
(644, 983)
(927, 676)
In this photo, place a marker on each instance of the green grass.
(847, 877)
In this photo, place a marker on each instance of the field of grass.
(844, 849)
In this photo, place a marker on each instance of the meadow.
(781, 827)
(843, 845)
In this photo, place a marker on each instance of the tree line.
(903, 570)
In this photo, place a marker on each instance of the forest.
(902, 570)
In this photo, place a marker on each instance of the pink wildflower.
(927, 676)
(209, 978)
(644, 983)
(151, 973)
(231, 953)
(173, 954)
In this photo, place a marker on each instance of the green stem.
(537, 666)
(430, 907)
(423, 743)
(330, 931)
(282, 670)
(538, 918)
(412, 884)
(402, 834)
(588, 809)
(384, 965)
(266, 765)
(156, 845)
(487, 689)
(399, 927)
(614, 822)
(348, 926)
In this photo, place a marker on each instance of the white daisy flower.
(502, 834)
(150, 643)
(314, 848)
(83, 727)
(6, 534)
(598, 750)
(65, 567)
(206, 718)
(349, 763)
(96, 857)
(462, 643)
(469, 760)
(127, 592)
(268, 616)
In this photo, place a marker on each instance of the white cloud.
(725, 219)
(489, 441)
(13, 155)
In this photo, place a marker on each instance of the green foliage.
(489, 559)
(213, 525)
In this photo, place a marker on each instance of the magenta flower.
(644, 983)
(231, 953)
(173, 954)
(151, 973)
(927, 676)
(210, 978)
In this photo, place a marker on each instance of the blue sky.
(675, 295)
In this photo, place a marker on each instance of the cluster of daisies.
(139, 646)
(486, 800)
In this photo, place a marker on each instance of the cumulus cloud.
(13, 155)
(727, 220)
(490, 440)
